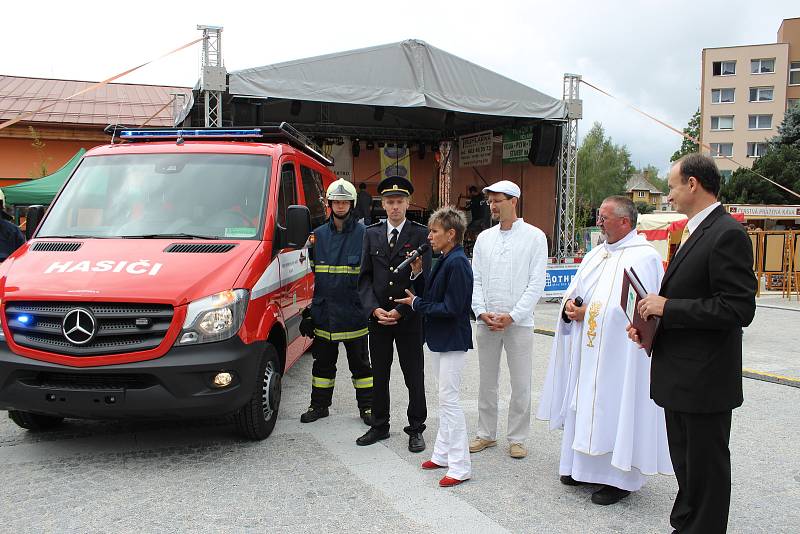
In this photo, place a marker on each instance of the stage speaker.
(545, 145)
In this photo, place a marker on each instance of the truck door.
(293, 265)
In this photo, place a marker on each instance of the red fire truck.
(166, 280)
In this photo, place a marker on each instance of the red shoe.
(430, 465)
(448, 482)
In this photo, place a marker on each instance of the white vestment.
(597, 385)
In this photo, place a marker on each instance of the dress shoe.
(478, 444)
(373, 435)
(517, 450)
(366, 416)
(609, 495)
(415, 442)
(448, 482)
(429, 464)
(567, 480)
(313, 413)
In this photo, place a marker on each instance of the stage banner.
(558, 277)
(342, 159)
(475, 150)
(395, 161)
(516, 145)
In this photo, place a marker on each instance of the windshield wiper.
(75, 236)
(170, 236)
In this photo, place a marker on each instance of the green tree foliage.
(692, 129)
(780, 163)
(644, 207)
(603, 169)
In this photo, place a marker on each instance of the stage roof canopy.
(409, 74)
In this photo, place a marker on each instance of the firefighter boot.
(313, 413)
(366, 416)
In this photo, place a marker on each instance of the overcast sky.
(645, 52)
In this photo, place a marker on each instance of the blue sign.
(558, 278)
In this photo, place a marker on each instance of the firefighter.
(336, 313)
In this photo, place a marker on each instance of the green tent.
(42, 190)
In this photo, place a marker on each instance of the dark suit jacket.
(710, 287)
(445, 303)
(376, 283)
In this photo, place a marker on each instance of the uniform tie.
(393, 239)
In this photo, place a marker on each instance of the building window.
(792, 102)
(726, 175)
(762, 66)
(721, 149)
(724, 122)
(759, 122)
(724, 68)
(756, 150)
(722, 96)
(794, 73)
(761, 94)
(640, 194)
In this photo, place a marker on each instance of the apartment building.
(745, 92)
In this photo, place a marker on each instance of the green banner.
(516, 145)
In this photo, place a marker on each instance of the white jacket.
(528, 266)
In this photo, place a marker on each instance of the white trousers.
(594, 469)
(518, 343)
(452, 445)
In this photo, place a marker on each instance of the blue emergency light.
(24, 318)
(195, 134)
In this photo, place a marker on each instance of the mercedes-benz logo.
(79, 326)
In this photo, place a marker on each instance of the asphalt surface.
(198, 476)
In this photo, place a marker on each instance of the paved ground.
(197, 476)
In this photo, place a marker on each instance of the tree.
(644, 207)
(780, 163)
(38, 147)
(693, 130)
(603, 169)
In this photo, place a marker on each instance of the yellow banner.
(395, 161)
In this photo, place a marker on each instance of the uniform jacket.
(336, 258)
(445, 303)
(377, 283)
(710, 287)
(11, 239)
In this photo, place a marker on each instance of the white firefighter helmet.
(341, 189)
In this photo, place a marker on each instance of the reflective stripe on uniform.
(326, 383)
(337, 269)
(361, 383)
(340, 336)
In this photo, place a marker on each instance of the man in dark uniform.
(386, 245)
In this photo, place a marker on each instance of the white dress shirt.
(698, 218)
(509, 271)
(389, 229)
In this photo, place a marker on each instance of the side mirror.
(298, 226)
(32, 220)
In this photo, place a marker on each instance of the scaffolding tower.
(567, 170)
(213, 77)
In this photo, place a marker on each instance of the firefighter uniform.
(377, 285)
(337, 315)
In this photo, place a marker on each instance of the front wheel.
(256, 419)
(35, 422)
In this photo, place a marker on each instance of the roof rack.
(282, 133)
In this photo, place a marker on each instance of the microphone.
(422, 249)
(578, 302)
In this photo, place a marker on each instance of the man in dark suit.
(386, 245)
(706, 298)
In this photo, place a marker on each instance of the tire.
(256, 419)
(35, 422)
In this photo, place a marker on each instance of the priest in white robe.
(597, 386)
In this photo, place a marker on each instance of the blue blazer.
(445, 303)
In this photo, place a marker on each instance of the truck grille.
(104, 327)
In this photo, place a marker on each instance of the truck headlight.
(214, 318)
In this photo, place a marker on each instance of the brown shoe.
(517, 450)
(478, 444)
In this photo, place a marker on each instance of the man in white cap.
(509, 262)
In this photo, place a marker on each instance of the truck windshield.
(208, 196)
